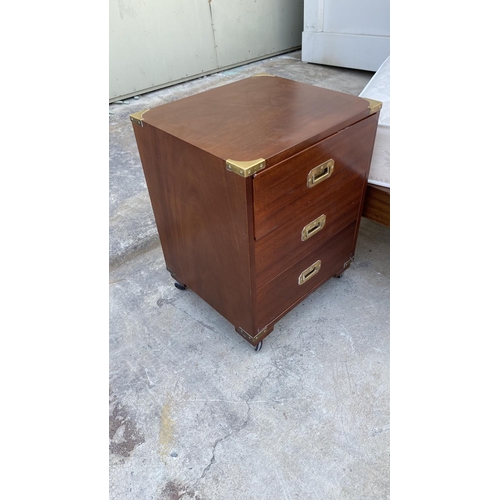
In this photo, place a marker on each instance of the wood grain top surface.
(258, 117)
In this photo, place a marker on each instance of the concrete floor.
(195, 413)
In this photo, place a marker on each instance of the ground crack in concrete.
(219, 440)
(234, 431)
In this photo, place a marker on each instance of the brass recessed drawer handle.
(308, 273)
(313, 227)
(320, 173)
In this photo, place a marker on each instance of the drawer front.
(290, 242)
(285, 190)
(281, 294)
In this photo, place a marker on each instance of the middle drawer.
(282, 247)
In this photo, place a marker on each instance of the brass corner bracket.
(263, 74)
(245, 168)
(137, 117)
(248, 337)
(347, 263)
(373, 105)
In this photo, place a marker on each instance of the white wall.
(156, 43)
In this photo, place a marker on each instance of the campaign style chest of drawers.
(257, 190)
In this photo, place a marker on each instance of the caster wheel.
(338, 276)
(258, 347)
(179, 286)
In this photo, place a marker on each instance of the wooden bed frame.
(377, 204)
(378, 198)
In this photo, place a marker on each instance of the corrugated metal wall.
(156, 43)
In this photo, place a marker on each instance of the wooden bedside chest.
(257, 189)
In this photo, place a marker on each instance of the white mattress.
(379, 88)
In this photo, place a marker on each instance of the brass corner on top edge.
(373, 105)
(137, 117)
(245, 168)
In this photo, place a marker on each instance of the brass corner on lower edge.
(248, 337)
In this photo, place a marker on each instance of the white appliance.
(346, 33)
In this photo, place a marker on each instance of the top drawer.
(283, 191)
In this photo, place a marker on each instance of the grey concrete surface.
(195, 413)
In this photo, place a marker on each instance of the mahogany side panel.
(201, 212)
(146, 145)
(368, 142)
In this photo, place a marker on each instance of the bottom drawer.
(282, 293)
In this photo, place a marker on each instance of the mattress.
(378, 88)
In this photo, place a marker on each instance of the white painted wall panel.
(249, 29)
(156, 43)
